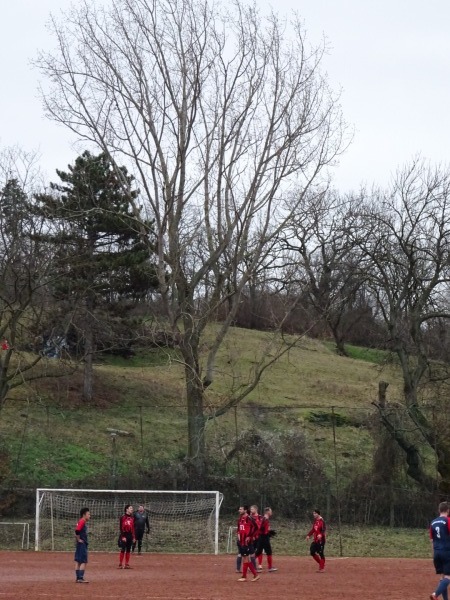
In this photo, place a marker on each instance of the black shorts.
(246, 550)
(441, 560)
(125, 541)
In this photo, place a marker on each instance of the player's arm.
(78, 530)
(147, 524)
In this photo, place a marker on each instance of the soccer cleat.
(259, 569)
(243, 579)
(433, 596)
(128, 567)
(272, 569)
(82, 581)
(120, 567)
(255, 578)
(237, 571)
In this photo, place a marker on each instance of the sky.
(389, 58)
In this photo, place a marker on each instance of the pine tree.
(104, 261)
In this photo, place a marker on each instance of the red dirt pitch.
(42, 576)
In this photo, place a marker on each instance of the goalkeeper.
(141, 525)
(263, 543)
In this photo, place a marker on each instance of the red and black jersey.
(318, 530)
(127, 524)
(247, 529)
(264, 526)
(257, 519)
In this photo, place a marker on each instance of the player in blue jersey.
(81, 548)
(440, 540)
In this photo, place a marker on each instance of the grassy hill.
(53, 439)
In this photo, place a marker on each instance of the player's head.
(443, 508)
(141, 508)
(316, 513)
(253, 509)
(268, 511)
(85, 513)
(128, 509)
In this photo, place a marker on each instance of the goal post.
(180, 521)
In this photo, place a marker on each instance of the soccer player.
(141, 525)
(317, 548)
(127, 536)
(81, 548)
(440, 541)
(263, 542)
(246, 531)
(257, 518)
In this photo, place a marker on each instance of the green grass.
(67, 442)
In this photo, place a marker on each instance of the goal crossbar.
(180, 521)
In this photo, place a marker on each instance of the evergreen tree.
(105, 262)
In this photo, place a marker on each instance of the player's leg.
(238, 559)
(442, 566)
(128, 545)
(81, 558)
(313, 550)
(321, 553)
(139, 536)
(122, 546)
(269, 552)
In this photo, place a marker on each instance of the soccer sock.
(127, 557)
(253, 561)
(77, 573)
(316, 558)
(81, 571)
(442, 587)
(445, 594)
(260, 557)
(245, 569)
(238, 562)
(269, 561)
(252, 569)
(121, 555)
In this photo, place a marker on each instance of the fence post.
(338, 495)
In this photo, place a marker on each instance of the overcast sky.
(390, 57)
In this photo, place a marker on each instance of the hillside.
(51, 439)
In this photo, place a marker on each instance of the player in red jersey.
(127, 536)
(263, 543)
(81, 549)
(257, 518)
(246, 530)
(319, 537)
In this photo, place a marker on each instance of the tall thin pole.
(142, 430)
(238, 455)
(338, 495)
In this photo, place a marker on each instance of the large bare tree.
(405, 234)
(217, 110)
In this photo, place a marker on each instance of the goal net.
(179, 521)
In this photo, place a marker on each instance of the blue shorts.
(81, 553)
(441, 560)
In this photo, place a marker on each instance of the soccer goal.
(183, 522)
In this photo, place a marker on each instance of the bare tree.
(327, 265)
(25, 269)
(217, 111)
(406, 235)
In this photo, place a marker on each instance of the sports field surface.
(38, 576)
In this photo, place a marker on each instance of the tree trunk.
(196, 451)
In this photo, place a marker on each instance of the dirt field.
(38, 576)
